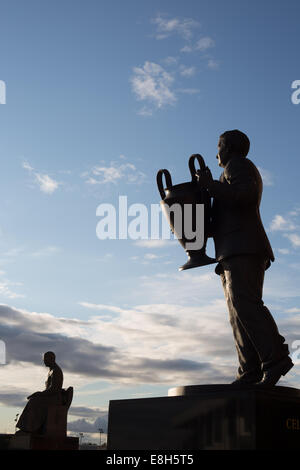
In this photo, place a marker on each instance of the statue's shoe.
(272, 375)
(246, 382)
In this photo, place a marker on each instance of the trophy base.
(197, 261)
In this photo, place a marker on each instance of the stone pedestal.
(207, 417)
(4, 441)
(32, 442)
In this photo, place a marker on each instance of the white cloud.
(170, 60)
(204, 43)
(280, 223)
(26, 166)
(48, 250)
(186, 71)
(92, 306)
(46, 184)
(165, 27)
(294, 239)
(160, 343)
(288, 225)
(153, 84)
(186, 48)
(5, 290)
(186, 341)
(151, 256)
(212, 64)
(145, 111)
(114, 173)
(13, 252)
(283, 251)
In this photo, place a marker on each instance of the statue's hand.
(204, 177)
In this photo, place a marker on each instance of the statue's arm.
(241, 190)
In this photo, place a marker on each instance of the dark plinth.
(207, 417)
(36, 442)
(4, 441)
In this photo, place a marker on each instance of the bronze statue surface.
(243, 252)
(34, 415)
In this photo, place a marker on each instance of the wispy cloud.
(288, 225)
(26, 166)
(7, 292)
(7, 288)
(114, 173)
(98, 348)
(166, 26)
(186, 71)
(283, 223)
(46, 251)
(170, 60)
(153, 84)
(294, 239)
(213, 64)
(161, 343)
(151, 256)
(283, 251)
(204, 44)
(46, 183)
(144, 111)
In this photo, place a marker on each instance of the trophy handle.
(192, 164)
(160, 184)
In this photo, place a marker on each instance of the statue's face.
(48, 360)
(223, 153)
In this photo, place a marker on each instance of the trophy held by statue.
(187, 208)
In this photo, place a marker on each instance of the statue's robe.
(34, 414)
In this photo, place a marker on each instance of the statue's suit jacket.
(236, 225)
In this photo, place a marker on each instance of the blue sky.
(99, 96)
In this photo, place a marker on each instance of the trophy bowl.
(187, 208)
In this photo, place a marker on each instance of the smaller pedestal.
(35, 442)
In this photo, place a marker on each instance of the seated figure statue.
(34, 415)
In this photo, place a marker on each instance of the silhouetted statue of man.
(244, 253)
(35, 412)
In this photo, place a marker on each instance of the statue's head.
(49, 358)
(231, 144)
